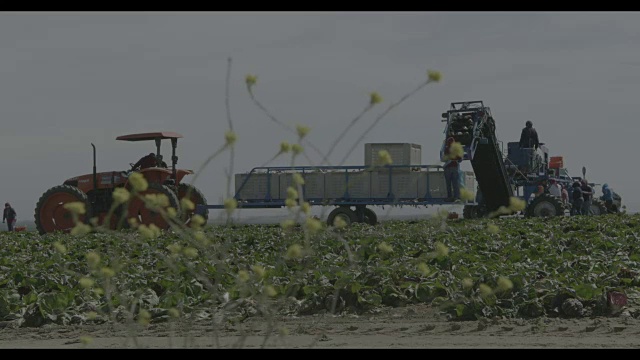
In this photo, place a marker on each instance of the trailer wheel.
(470, 212)
(544, 205)
(370, 217)
(598, 207)
(348, 215)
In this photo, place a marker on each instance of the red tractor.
(95, 190)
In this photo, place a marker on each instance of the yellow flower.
(504, 284)
(313, 225)
(306, 208)
(441, 249)
(284, 331)
(517, 204)
(92, 315)
(424, 269)
(174, 313)
(93, 259)
(230, 205)
(467, 283)
(339, 222)
(187, 204)
(288, 224)
(121, 195)
(485, 290)
(75, 207)
(98, 291)
(270, 291)
(133, 222)
(157, 200)
(191, 252)
(197, 220)
(297, 149)
(81, 229)
(285, 147)
(107, 272)
(172, 212)
(292, 193)
(230, 138)
(250, 80)
(384, 247)
(138, 182)
(466, 195)
(59, 247)
(290, 203)
(384, 158)
(144, 317)
(492, 229)
(294, 251)
(259, 270)
(86, 282)
(434, 76)
(298, 179)
(201, 237)
(146, 232)
(456, 150)
(174, 248)
(302, 131)
(243, 275)
(85, 340)
(375, 98)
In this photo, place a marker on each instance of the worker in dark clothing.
(587, 194)
(577, 199)
(9, 215)
(145, 162)
(529, 136)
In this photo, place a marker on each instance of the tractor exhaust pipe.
(95, 174)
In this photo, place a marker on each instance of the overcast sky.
(72, 79)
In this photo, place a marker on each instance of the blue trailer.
(352, 190)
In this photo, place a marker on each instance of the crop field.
(463, 270)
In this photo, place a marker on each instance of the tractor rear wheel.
(50, 214)
(544, 205)
(139, 211)
(598, 207)
(197, 198)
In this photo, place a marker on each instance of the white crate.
(313, 187)
(437, 185)
(359, 184)
(256, 186)
(401, 153)
(404, 185)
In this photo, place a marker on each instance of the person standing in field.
(9, 215)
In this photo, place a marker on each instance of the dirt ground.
(407, 327)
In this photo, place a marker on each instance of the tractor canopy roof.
(149, 136)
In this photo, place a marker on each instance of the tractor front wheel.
(139, 211)
(197, 198)
(50, 214)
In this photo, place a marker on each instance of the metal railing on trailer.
(390, 193)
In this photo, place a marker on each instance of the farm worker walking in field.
(9, 215)
(529, 136)
(587, 194)
(577, 199)
(452, 170)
